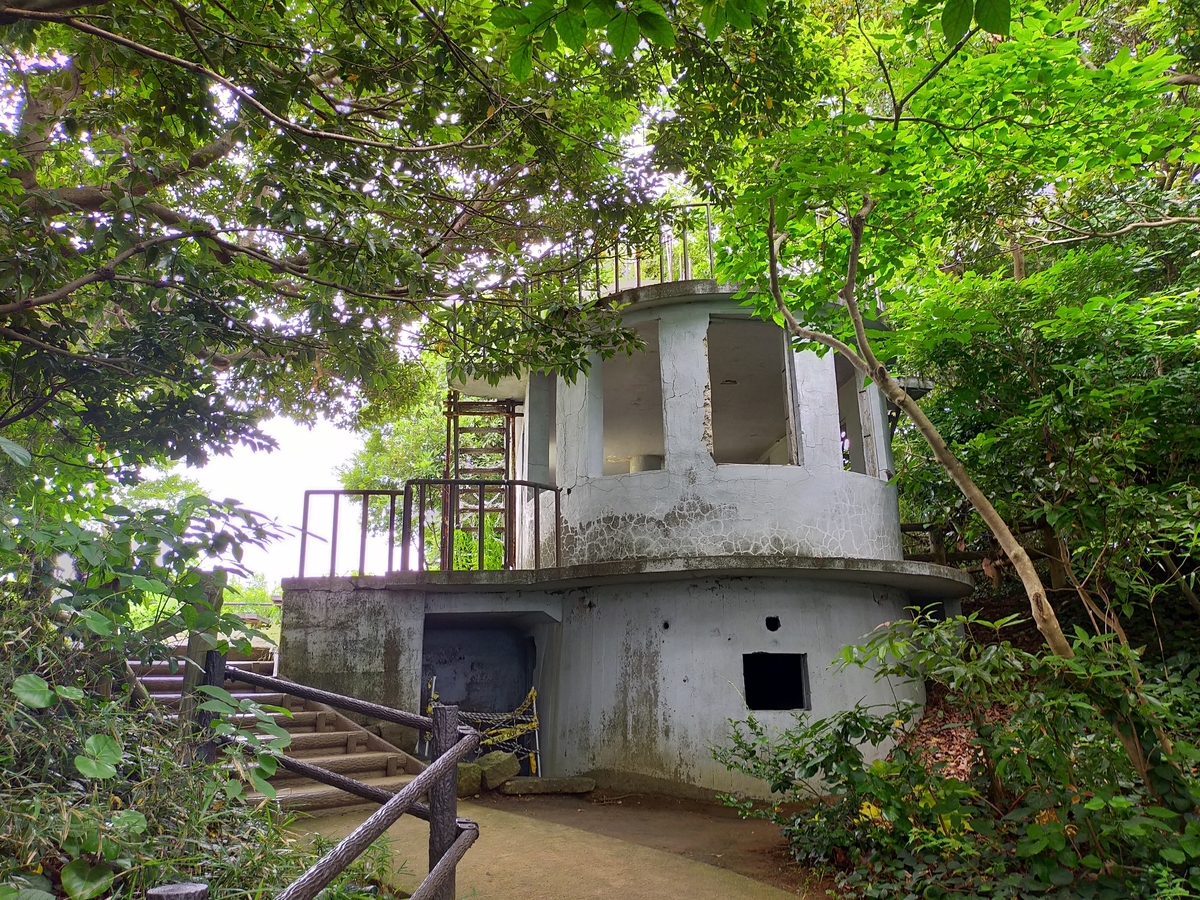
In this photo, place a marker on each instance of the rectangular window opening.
(633, 408)
(776, 680)
(748, 379)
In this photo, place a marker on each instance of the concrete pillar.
(580, 420)
(687, 407)
(817, 400)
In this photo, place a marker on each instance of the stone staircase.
(321, 736)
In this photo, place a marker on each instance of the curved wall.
(693, 507)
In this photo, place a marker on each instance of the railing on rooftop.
(673, 244)
(442, 524)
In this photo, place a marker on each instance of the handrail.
(448, 492)
(434, 496)
(449, 836)
(316, 879)
(339, 701)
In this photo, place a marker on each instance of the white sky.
(274, 484)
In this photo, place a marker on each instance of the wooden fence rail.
(449, 836)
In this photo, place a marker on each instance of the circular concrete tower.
(715, 441)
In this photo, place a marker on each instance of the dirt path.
(635, 847)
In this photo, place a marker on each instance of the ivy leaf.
(993, 16)
(16, 452)
(521, 61)
(82, 881)
(33, 691)
(572, 29)
(623, 34)
(956, 19)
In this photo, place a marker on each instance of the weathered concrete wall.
(365, 644)
(694, 507)
(641, 679)
(479, 669)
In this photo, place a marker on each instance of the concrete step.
(359, 766)
(313, 798)
(308, 745)
(162, 667)
(171, 701)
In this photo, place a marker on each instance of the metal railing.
(449, 836)
(484, 530)
(677, 243)
(493, 531)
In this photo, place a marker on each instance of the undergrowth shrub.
(1052, 806)
(99, 794)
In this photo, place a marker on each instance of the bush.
(1052, 806)
(98, 795)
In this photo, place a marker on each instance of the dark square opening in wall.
(776, 680)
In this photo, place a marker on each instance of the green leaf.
(33, 691)
(521, 61)
(90, 768)
(82, 881)
(623, 34)
(34, 894)
(130, 820)
(655, 27)
(103, 748)
(97, 622)
(16, 452)
(550, 40)
(68, 693)
(572, 29)
(956, 19)
(261, 785)
(993, 15)
(507, 17)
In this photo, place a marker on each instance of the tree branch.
(104, 273)
(242, 94)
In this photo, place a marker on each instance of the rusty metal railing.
(435, 517)
(484, 523)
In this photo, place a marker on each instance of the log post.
(443, 796)
(199, 641)
(214, 674)
(193, 891)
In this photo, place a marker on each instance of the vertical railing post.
(406, 527)
(712, 262)
(443, 795)
(558, 528)
(482, 514)
(537, 528)
(362, 539)
(391, 529)
(304, 532)
(421, 528)
(333, 538)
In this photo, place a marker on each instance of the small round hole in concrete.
(666, 625)
(772, 623)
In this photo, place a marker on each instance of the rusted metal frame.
(480, 524)
(557, 527)
(421, 529)
(444, 768)
(338, 701)
(362, 538)
(304, 532)
(406, 528)
(391, 531)
(537, 528)
(708, 220)
(333, 538)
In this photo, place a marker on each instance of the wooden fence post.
(214, 674)
(443, 796)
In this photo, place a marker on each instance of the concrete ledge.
(921, 580)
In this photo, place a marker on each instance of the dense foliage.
(1050, 807)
